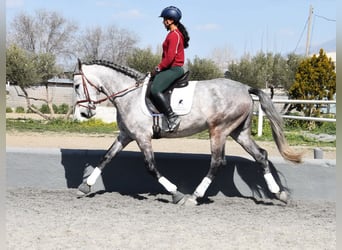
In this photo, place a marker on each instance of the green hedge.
(61, 109)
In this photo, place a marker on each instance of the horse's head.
(87, 88)
(112, 80)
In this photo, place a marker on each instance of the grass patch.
(92, 126)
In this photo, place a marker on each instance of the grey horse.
(221, 106)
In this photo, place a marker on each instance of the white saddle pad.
(181, 99)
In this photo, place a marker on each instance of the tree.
(315, 79)
(262, 65)
(143, 60)
(254, 71)
(112, 44)
(121, 43)
(241, 71)
(92, 44)
(44, 32)
(279, 72)
(292, 62)
(222, 57)
(20, 67)
(27, 69)
(203, 69)
(264, 70)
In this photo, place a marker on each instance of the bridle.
(111, 97)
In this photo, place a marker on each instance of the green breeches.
(164, 79)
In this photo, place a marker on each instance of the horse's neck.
(115, 82)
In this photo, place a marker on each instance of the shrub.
(326, 127)
(9, 110)
(19, 110)
(63, 109)
(55, 108)
(46, 110)
(29, 111)
(266, 128)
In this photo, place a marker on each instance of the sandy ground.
(84, 141)
(57, 219)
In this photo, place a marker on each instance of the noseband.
(92, 103)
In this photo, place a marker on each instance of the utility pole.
(308, 37)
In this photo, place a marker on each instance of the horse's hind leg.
(120, 142)
(243, 137)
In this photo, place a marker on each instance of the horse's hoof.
(178, 198)
(83, 189)
(191, 201)
(282, 196)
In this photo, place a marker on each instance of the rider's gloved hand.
(155, 71)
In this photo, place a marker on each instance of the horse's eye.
(77, 86)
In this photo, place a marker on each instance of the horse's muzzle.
(88, 112)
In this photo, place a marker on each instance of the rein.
(91, 102)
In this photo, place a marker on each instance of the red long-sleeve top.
(173, 50)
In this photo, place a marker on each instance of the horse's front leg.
(120, 142)
(218, 160)
(145, 146)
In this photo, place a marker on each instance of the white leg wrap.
(272, 185)
(93, 177)
(167, 184)
(202, 187)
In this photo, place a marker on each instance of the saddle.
(180, 82)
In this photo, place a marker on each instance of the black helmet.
(172, 12)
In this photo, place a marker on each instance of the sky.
(239, 27)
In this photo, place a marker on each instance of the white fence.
(260, 112)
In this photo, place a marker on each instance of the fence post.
(260, 121)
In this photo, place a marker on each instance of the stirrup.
(173, 123)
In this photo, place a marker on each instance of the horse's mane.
(122, 69)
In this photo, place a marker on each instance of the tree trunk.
(49, 102)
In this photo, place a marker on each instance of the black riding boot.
(163, 106)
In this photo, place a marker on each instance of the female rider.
(170, 67)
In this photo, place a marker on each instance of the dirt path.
(84, 141)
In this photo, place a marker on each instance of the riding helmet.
(171, 12)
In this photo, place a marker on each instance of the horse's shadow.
(126, 174)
